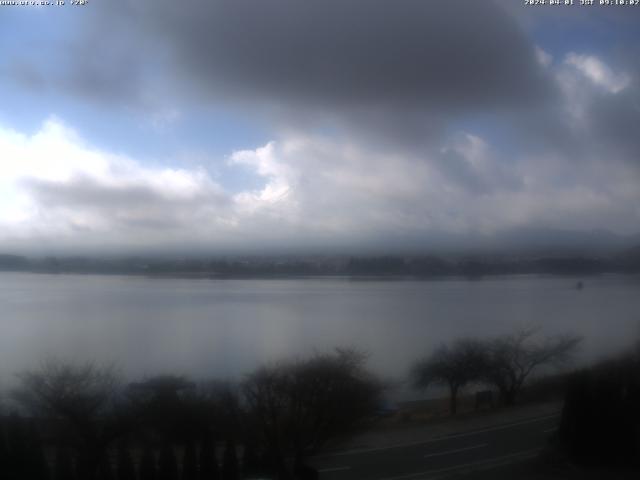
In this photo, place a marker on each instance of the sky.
(281, 125)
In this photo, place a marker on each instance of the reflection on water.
(226, 327)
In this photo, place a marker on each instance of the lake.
(225, 328)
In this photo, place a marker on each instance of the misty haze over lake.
(224, 328)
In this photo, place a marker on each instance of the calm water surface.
(226, 327)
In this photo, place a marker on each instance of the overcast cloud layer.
(383, 121)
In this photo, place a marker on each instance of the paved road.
(438, 457)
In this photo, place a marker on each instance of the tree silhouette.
(21, 451)
(126, 468)
(148, 470)
(161, 399)
(17, 447)
(600, 422)
(208, 460)
(5, 463)
(105, 470)
(64, 469)
(452, 366)
(251, 464)
(230, 462)
(84, 399)
(167, 464)
(190, 462)
(38, 467)
(299, 406)
(510, 359)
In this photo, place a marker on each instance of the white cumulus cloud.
(598, 72)
(58, 192)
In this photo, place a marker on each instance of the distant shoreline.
(366, 267)
(357, 278)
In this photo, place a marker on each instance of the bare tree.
(452, 366)
(84, 398)
(512, 358)
(299, 406)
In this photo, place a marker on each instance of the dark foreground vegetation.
(502, 364)
(600, 423)
(563, 263)
(599, 428)
(82, 423)
(75, 422)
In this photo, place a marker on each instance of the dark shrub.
(190, 463)
(126, 468)
(208, 460)
(148, 469)
(64, 465)
(600, 422)
(230, 462)
(168, 466)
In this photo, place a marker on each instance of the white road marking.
(456, 450)
(497, 460)
(439, 439)
(333, 469)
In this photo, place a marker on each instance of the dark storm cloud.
(615, 121)
(393, 74)
(25, 74)
(341, 57)
(438, 54)
(612, 120)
